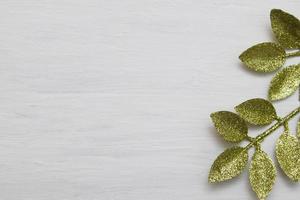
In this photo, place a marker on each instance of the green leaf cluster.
(271, 56)
(265, 57)
(233, 127)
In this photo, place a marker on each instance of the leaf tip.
(241, 57)
(275, 10)
(212, 114)
(211, 179)
(271, 97)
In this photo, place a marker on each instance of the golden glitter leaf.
(230, 126)
(257, 111)
(228, 164)
(288, 155)
(264, 57)
(262, 174)
(286, 28)
(285, 83)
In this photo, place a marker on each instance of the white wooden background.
(110, 100)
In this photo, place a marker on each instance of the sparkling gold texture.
(230, 126)
(298, 129)
(285, 83)
(288, 155)
(286, 29)
(264, 57)
(228, 164)
(270, 56)
(257, 111)
(262, 174)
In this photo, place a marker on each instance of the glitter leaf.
(262, 174)
(230, 126)
(288, 155)
(264, 57)
(257, 111)
(228, 164)
(286, 28)
(285, 83)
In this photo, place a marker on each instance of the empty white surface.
(110, 100)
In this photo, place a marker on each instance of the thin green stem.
(293, 54)
(273, 128)
(286, 126)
